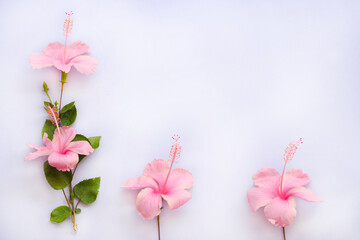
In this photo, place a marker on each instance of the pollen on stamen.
(291, 150)
(53, 114)
(68, 24)
(175, 149)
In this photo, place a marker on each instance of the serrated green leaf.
(94, 142)
(68, 117)
(78, 210)
(87, 190)
(67, 107)
(57, 179)
(59, 214)
(48, 128)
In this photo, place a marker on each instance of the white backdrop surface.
(237, 80)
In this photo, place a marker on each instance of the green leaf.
(59, 214)
(87, 190)
(68, 114)
(57, 179)
(94, 142)
(67, 107)
(48, 128)
(80, 137)
(81, 157)
(78, 210)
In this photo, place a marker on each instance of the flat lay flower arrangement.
(275, 192)
(63, 147)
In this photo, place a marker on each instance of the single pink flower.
(63, 154)
(275, 192)
(159, 182)
(63, 57)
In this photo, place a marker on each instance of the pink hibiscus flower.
(63, 57)
(276, 192)
(63, 154)
(159, 182)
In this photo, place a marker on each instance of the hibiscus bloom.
(159, 182)
(63, 153)
(63, 57)
(276, 192)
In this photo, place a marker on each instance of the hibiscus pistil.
(288, 156)
(173, 156)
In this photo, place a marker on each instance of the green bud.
(46, 89)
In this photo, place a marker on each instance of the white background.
(238, 80)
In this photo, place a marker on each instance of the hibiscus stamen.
(174, 155)
(53, 114)
(288, 156)
(68, 25)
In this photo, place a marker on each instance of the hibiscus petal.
(303, 193)
(158, 170)
(259, 197)
(54, 50)
(79, 147)
(295, 178)
(76, 49)
(176, 197)
(63, 162)
(148, 203)
(67, 134)
(39, 60)
(264, 175)
(180, 179)
(41, 151)
(281, 212)
(141, 182)
(85, 64)
(47, 141)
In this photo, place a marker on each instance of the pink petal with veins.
(295, 178)
(259, 197)
(180, 179)
(76, 49)
(141, 182)
(148, 203)
(158, 170)
(60, 141)
(84, 64)
(281, 212)
(63, 162)
(176, 197)
(303, 193)
(39, 60)
(79, 147)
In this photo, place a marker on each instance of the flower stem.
(158, 222)
(72, 207)
(63, 81)
(283, 229)
(67, 200)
